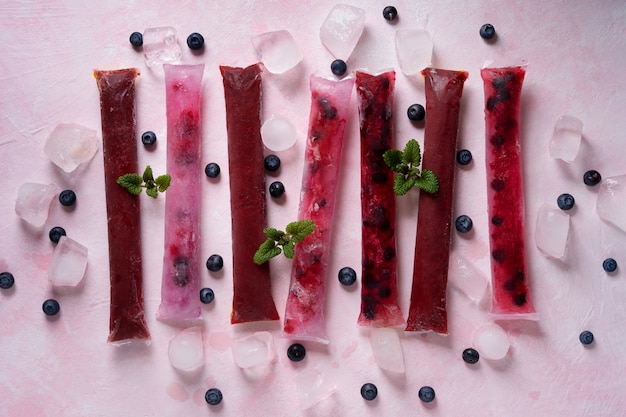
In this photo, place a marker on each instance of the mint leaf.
(300, 229)
(267, 250)
(428, 182)
(402, 185)
(411, 153)
(273, 234)
(288, 249)
(296, 232)
(147, 174)
(163, 182)
(152, 192)
(393, 158)
(131, 183)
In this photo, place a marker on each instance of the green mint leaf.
(267, 250)
(393, 158)
(273, 234)
(411, 153)
(288, 250)
(131, 183)
(147, 174)
(163, 182)
(300, 229)
(152, 192)
(402, 185)
(428, 182)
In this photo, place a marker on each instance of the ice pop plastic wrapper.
(180, 285)
(119, 146)
(330, 101)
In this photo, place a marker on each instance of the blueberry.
(390, 13)
(296, 352)
(347, 275)
(51, 307)
(6, 280)
(195, 41)
(565, 201)
(369, 391)
(463, 157)
(426, 394)
(136, 39)
(213, 396)
(277, 189)
(592, 177)
(207, 296)
(586, 337)
(214, 263)
(148, 138)
(463, 223)
(212, 170)
(272, 163)
(470, 355)
(56, 233)
(338, 67)
(487, 31)
(609, 265)
(416, 112)
(67, 198)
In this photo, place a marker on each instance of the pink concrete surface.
(576, 55)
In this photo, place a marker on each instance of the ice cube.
(387, 349)
(68, 263)
(552, 230)
(256, 350)
(313, 388)
(186, 350)
(278, 133)
(278, 51)
(612, 200)
(70, 145)
(566, 138)
(33, 202)
(414, 48)
(491, 342)
(342, 30)
(467, 278)
(160, 46)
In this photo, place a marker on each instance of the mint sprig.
(405, 163)
(133, 183)
(278, 242)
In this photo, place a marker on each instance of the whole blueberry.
(214, 263)
(390, 13)
(212, 170)
(195, 41)
(67, 198)
(565, 201)
(136, 39)
(51, 307)
(470, 355)
(463, 157)
(338, 67)
(272, 163)
(207, 296)
(369, 391)
(213, 396)
(277, 189)
(609, 265)
(347, 275)
(426, 394)
(416, 112)
(6, 280)
(296, 352)
(148, 138)
(586, 337)
(487, 31)
(463, 223)
(56, 233)
(592, 177)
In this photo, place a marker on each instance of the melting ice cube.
(414, 48)
(186, 350)
(342, 30)
(387, 349)
(467, 278)
(33, 202)
(491, 342)
(256, 350)
(278, 133)
(160, 46)
(68, 263)
(611, 201)
(566, 138)
(552, 230)
(70, 145)
(313, 388)
(278, 51)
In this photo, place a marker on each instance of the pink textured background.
(576, 53)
